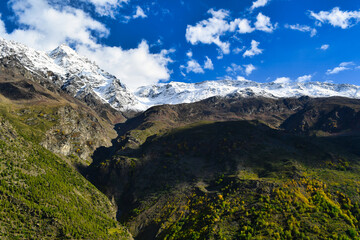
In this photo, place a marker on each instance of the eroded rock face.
(77, 133)
(71, 127)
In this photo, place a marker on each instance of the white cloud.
(210, 30)
(304, 78)
(234, 69)
(238, 50)
(241, 78)
(193, 66)
(44, 27)
(337, 18)
(244, 26)
(282, 80)
(325, 47)
(208, 64)
(263, 23)
(302, 28)
(134, 67)
(342, 67)
(259, 3)
(106, 7)
(249, 69)
(254, 50)
(2, 27)
(189, 54)
(139, 13)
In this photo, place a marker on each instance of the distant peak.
(63, 48)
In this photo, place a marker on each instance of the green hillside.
(42, 195)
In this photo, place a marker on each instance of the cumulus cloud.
(211, 30)
(302, 28)
(238, 50)
(263, 23)
(244, 26)
(2, 27)
(241, 78)
(189, 54)
(135, 67)
(305, 78)
(337, 18)
(259, 3)
(282, 80)
(325, 47)
(235, 70)
(208, 64)
(342, 67)
(249, 69)
(139, 13)
(44, 27)
(254, 50)
(193, 66)
(106, 7)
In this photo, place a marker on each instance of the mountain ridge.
(178, 92)
(82, 78)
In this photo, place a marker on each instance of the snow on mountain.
(177, 92)
(79, 76)
(73, 73)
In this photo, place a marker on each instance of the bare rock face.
(77, 133)
(69, 126)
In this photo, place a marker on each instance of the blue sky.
(144, 42)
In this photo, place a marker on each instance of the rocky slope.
(310, 116)
(71, 128)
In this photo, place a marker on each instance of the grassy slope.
(42, 196)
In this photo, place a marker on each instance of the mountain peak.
(64, 55)
(75, 74)
(63, 49)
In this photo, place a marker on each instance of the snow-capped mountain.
(73, 73)
(178, 92)
(79, 76)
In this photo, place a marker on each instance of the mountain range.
(81, 77)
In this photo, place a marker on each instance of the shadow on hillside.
(102, 153)
(203, 153)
